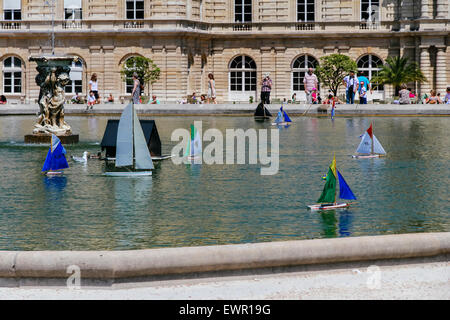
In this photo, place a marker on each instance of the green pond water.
(191, 205)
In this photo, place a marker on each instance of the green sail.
(329, 190)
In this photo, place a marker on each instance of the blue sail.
(286, 117)
(279, 118)
(344, 190)
(56, 158)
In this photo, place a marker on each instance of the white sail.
(196, 145)
(124, 144)
(366, 145)
(142, 155)
(377, 147)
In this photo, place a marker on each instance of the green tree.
(397, 71)
(148, 72)
(332, 70)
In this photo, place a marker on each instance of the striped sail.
(142, 155)
(124, 152)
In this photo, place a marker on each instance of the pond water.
(191, 205)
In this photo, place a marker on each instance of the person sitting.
(404, 94)
(433, 98)
(2, 99)
(76, 98)
(154, 100)
(203, 98)
(294, 97)
(447, 96)
(110, 99)
(194, 98)
(91, 100)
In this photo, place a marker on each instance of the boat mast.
(132, 133)
(335, 185)
(371, 124)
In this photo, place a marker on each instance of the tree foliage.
(148, 72)
(397, 71)
(332, 70)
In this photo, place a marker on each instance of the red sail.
(369, 131)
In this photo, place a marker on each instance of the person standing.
(136, 93)
(351, 82)
(310, 82)
(93, 86)
(211, 89)
(266, 87)
(362, 93)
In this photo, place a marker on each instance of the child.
(362, 93)
(314, 96)
(91, 100)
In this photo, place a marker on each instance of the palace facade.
(236, 40)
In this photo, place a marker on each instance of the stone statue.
(53, 76)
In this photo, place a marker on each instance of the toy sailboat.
(261, 113)
(327, 200)
(282, 118)
(369, 147)
(194, 147)
(132, 155)
(56, 159)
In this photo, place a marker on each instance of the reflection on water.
(199, 204)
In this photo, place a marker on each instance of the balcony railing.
(180, 25)
(242, 27)
(369, 25)
(72, 24)
(305, 26)
(133, 24)
(11, 25)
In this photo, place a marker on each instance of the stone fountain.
(53, 76)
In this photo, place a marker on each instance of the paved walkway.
(411, 281)
(237, 109)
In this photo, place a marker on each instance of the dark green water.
(183, 205)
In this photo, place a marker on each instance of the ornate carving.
(53, 76)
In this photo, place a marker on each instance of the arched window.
(299, 69)
(242, 77)
(76, 77)
(12, 75)
(130, 63)
(368, 66)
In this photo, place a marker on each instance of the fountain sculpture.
(53, 76)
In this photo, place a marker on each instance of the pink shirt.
(310, 81)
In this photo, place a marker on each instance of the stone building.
(236, 40)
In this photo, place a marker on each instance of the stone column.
(425, 68)
(442, 9)
(425, 10)
(441, 71)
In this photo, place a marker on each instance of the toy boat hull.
(53, 173)
(367, 157)
(128, 174)
(281, 123)
(330, 206)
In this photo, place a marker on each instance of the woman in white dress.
(211, 89)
